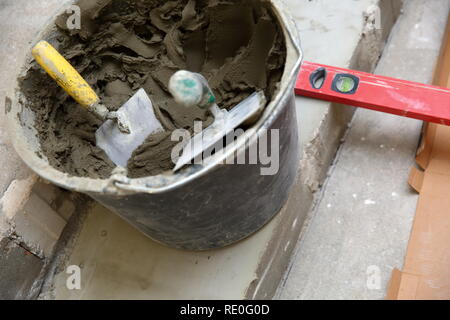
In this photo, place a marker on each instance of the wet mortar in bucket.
(122, 46)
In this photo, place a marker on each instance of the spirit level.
(384, 94)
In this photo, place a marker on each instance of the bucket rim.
(118, 183)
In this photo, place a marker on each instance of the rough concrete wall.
(18, 270)
(20, 20)
(33, 221)
(32, 213)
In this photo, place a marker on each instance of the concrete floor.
(118, 262)
(361, 226)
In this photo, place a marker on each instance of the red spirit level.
(360, 89)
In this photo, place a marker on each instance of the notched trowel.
(123, 130)
(192, 89)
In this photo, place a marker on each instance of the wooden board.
(426, 272)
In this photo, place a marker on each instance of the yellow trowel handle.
(64, 74)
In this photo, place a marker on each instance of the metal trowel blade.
(141, 119)
(221, 128)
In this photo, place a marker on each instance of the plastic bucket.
(202, 207)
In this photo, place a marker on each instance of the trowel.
(124, 130)
(350, 87)
(192, 89)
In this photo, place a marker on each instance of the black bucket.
(203, 206)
